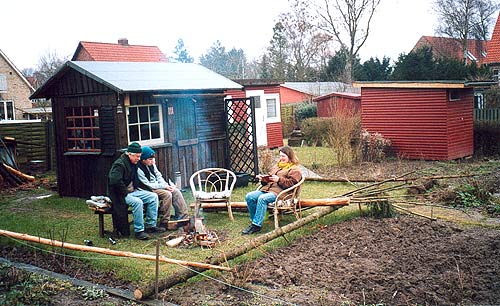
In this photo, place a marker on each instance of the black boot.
(251, 229)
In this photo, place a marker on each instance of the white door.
(260, 116)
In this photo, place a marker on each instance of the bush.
(315, 130)
(304, 111)
(486, 136)
(373, 147)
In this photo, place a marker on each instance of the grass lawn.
(69, 220)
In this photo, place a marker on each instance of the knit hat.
(147, 152)
(134, 147)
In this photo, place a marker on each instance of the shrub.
(304, 111)
(342, 133)
(486, 135)
(373, 146)
(315, 130)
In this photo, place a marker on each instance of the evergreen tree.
(182, 56)
(373, 70)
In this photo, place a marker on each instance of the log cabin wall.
(83, 174)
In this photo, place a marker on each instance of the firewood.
(20, 174)
(175, 242)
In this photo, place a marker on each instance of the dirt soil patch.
(396, 261)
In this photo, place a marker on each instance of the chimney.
(123, 41)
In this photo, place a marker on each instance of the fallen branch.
(185, 274)
(412, 212)
(85, 248)
(364, 180)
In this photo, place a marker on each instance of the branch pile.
(10, 177)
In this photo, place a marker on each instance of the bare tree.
(348, 23)
(304, 42)
(48, 64)
(465, 19)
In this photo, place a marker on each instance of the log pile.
(10, 177)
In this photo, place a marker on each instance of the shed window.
(144, 124)
(6, 110)
(256, 101)
(454, 95)
(271, 108)
(82, 129)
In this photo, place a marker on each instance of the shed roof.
(150, 76)
(319, 88)
(423, 84)
(349, 95)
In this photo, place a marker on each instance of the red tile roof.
(494, 45)
(450, 47)
(121, 52)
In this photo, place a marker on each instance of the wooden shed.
(266, 97)
(100, 107)
(424, 120)
(338, 102)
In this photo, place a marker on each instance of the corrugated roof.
(133, 76)
(320, 88)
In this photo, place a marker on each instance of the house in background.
(100, 107)
(15, 91)
(338, 103)
(429, 120)
(120, 52)
(493, 57)
(267, 104)
(452, 48)
(298, 92)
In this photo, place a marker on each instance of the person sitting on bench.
(123, 191)
(151, 179)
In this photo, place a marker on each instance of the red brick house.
(120, 52)
(424, 120)
(452, 48)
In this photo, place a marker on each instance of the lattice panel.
(241, 134)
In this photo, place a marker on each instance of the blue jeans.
(138, 200)
(257, 205)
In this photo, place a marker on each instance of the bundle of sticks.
(10, 177)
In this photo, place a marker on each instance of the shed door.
(181, 121)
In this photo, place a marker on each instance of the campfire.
(195, 233)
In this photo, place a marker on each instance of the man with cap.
(123, 191)
(151, 179)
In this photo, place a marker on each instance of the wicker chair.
(288, 200)
(212, 185)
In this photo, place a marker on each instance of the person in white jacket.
(151, 179)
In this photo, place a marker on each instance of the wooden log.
(184, 274)
(175, 242)
(341, 201)
(85, 248)
(20, 174)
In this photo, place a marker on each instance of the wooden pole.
(363, 180)
(184, 274)
(85, 248)
(19, 173)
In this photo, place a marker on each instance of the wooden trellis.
(242, 148)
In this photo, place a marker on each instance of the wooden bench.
(100, 212)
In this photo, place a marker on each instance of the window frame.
(89, 122)
(276, 98)
(5, 110)
(151, 141)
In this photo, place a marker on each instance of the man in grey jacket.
(151, 179)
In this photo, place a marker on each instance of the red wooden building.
(266, 94)
(338, 102)
(424, 120)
